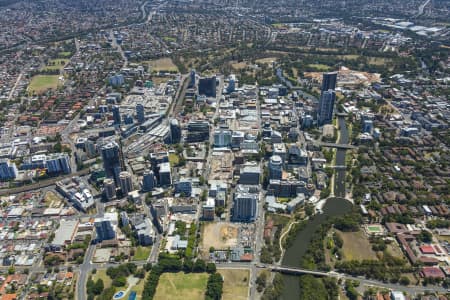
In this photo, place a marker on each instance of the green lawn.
(138, 287)
(101, 274)
(278, 25)
(41, 83)
(283, 199)
(174, 159)
(65, 54)
(169, 39)
(142, 253)
(181, 286)
(319, 67)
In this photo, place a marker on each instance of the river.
(292, 256)
(334, 207)
(339, 183)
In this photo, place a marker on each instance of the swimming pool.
(119, 295)
(132, 296)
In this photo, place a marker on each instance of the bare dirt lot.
(219, 235)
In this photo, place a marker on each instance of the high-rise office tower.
(140, 113)
(329, 81)
(198, 131)
(165, 174)
(105, 227)
(109, 188)
(191, 79)
(126, 182)
(250, 175)
(175, 131)
(111, 160)
(89, 146)
(116, 115)
(207, 86)
(8, 169)
(148, 181)
(245, 207)
(326, 106)
(58, 163)
(208, 209)
(222, 138)
(275, 167)
(231, 84)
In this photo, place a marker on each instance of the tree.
(148, 267)
(404, 280)
(11, 270)
(338, 241)
(312, 288)
(219, 211)
(57, 147)
(204, 196)
(90, 285)
(309, 209)
(261, 281)
(199, 266)
(119, 281)
(325, 193)
(214, 287)
(425, 236)
(188, 265)
(140, 273)
(52, 260)
(98, 287)
(352, 294)
(331, 286)
(211, 268)
(107, 294)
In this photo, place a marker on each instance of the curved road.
(422, 8)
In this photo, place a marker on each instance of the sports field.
(181, 286)
(41, 83)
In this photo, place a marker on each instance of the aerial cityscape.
(237, 149)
